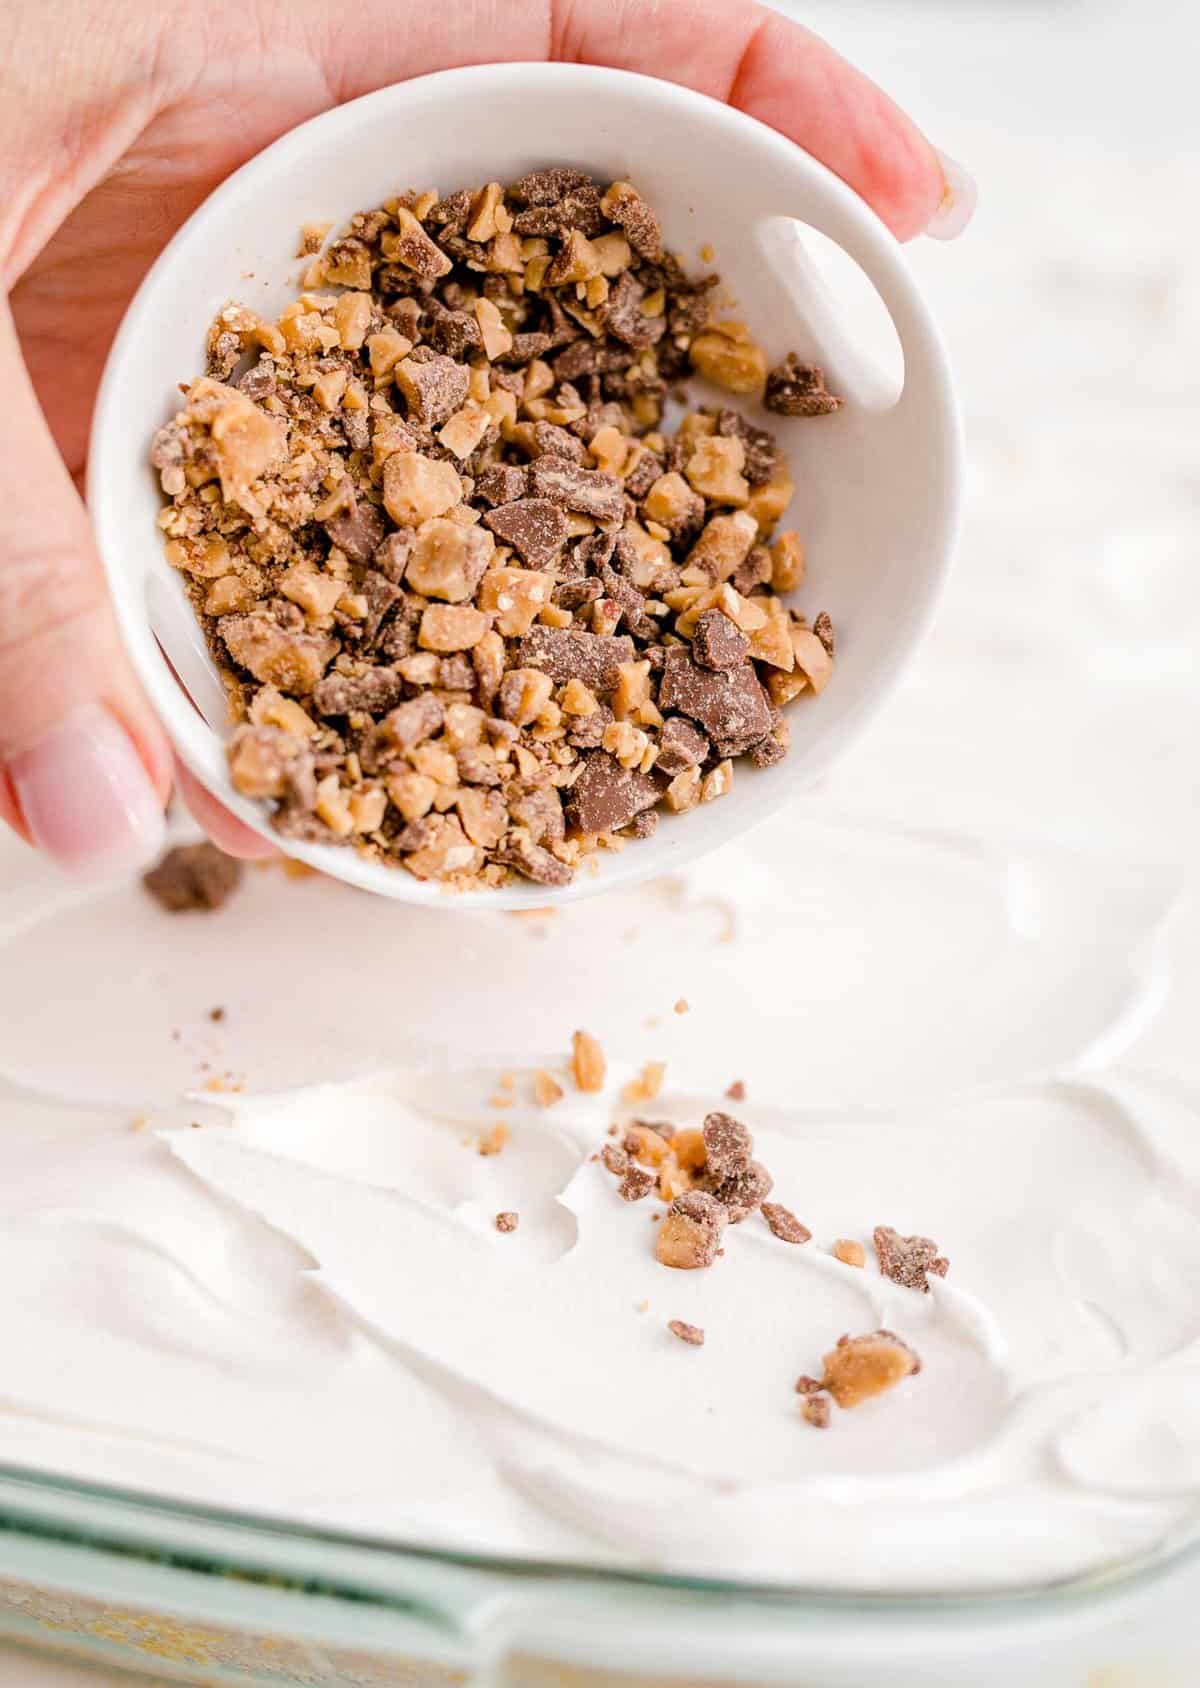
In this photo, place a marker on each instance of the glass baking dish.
(206, 1596)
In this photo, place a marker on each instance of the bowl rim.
(673, 847)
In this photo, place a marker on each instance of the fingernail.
(959, 198)
(86, 798)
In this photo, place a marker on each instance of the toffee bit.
(691, 1334)
(682, 1007)
(507, 1221)
(492, 1142)
(861, 1367)
(806, 1385)
(546, 1089)
(216, 1015)
(588, 1065)
(616, 1159)
(736, 1091)
(849, 1253)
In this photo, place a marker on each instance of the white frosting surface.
(960, 983)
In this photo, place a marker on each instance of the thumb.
(84, 767)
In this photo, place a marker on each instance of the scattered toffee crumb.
(784, 1224)
(737, 1091)
(815, 1411)
(682, 1006)
(849, 1253)
(691, 1334)
(806, 1385)
(193, 877)
(492, 1142)
(908, 1260)
(216, 1015)
(507, 1221)
(443, 479)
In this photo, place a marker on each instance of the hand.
(115, 121)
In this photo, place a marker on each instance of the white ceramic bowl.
(877, 485)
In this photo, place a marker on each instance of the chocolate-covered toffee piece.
(690, 1235)
(193, 877)
(564, 654)
(535, 528)
(784, 1224)
(798, 389)
(607, 796)
(730, 704)
(908, 1260)
(691, 1334)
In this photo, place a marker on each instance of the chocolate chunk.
(574, 594)
(741, 1191)
(586, 357)
(565, 654)
(411, 723)
(623, 314)
(590, 491)
(532, 862)
(643, 475)
(728, 1144)
(908, 1260)
(193, 876)
(455, 208)
(535, 528)
(553, 441)
(644, 825)
(434, 387)
(539, 811)
(525, 347)
(768, 751)
(754, 572)
(547, 187)
(730, 705)
(626, 207)
(258, 382)
(784, 1224)
(823, 628)
(615, 1159)
(595, 550)
(474, 768)
(456, 673)
(607, 796)
(630, 602)
(691, 1334)
(681, 745)
(382, 597)
(636, 1182)
(798, 389)
(717, 642)
(375, 692)
(816, 1411)
(587, 731)
(761, 451)
(453, 332)
(502, 483)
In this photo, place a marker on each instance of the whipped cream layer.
(293, 1297)
(960, 983)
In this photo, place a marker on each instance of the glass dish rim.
(112, 1519)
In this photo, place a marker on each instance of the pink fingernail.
(959, 199)
(86, 798)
